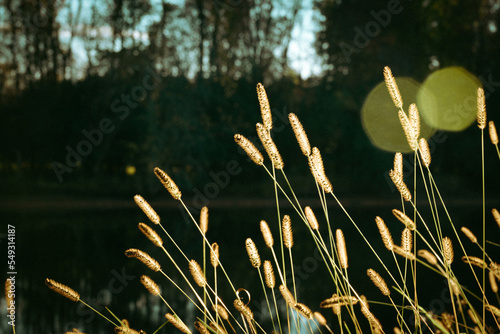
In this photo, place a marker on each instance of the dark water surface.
(84, 249)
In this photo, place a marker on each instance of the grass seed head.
(300, 134)
(378, 281)
(204, 219)
(286, 226)
(265, 108)
(496, 216)
(147, 209)
(63, 290)
(197, 273)
(407, 221)
(428, 256)
(341, 249)
(168, 183)
(304, 310)
(151, 234)
(425, 152)
(269, 277)
(392, 87)
(468, 233)
(481, 109)
(266, 233)
(214, 255)
(311, 218)
(493, 132)
(384, 233)
(448, 250)
(270, 146)
(253, 253)
(177, 323)
(150, 285)
(144, 258)
(250, 149)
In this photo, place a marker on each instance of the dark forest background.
(160, 84)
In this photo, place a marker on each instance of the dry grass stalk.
(201, 328)
(496, 216)
(414, 118)
(495, 268)
(151, 234)
(177, 323)
(473, 316)
(266, 233)
(378, 281)
(286, 227)
(253, 253)
(384, 233)
(493, 282)
(398, 164)
(341, 248)
(197, 273)
(217, 328)
(287, 295)
(402, 252)
(318, 170)
(150, 285)
(304, 310)
(448, 250)
(63, 290)
(250, 149)
(204, 219)
(475, 261)
(400, 185)
(481, 109)
(214, 255)
(311, 218)
(428, 256)
(468, 233)
(493, 132)
(338, 300)
(493, 309)
(320, 318)
(406, 240)
(270, 146)
(390, 82)
(300, 134)
(243, 309)
(221, 311)
(144, 258)
(425, 153)
(407, 221)
(269, 277)
(168, 183)
(147, 209)
(408, 130)
(374, 322)
(265, 108)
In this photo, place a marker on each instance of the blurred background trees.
(176, 80)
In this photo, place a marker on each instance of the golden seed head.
(493, 132)
(496, 215)
(311, 218)
(404, 253)
(151, 234)
(495, 269)
(401, 186)
(9, 295)
(318, 170)
(178, 323)
(150, 285)
(266, 233)
(378, 281)
(200, 327)
(398, 164)
(448, 250)
(392, 87)
(197, 273)
(127, 330)
(286, 226)
(336, 300)
(475, 261)
(250, 149)
(414, 118)
(428, 256)
(397, 330)
(214, 255)
(253, 253)
(204, 219)
(270, 146)
(147, 209)
(62, 289)
(341, 248)
(287, 295)
(408, 130)
(269, 277)
(468, 233)
(300, 134)
(493, 282)
(221, 311)
(144, 258)
(494, 310)
(406, 240)
(243, 309)
(425, 153)
(384, 233)
(265, 108)
(168, 183)
(481, 109)
(407, 221)
(74, 331)
(320, 318)
(217, 328)
(304, 310)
